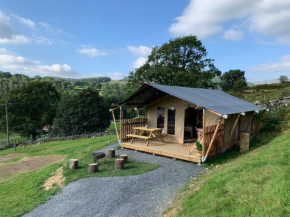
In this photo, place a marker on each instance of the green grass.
(21, 193)
(4, 135)
(256, 183)
(112, 126)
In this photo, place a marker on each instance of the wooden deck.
(167, 149)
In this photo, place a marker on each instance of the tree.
(233, 79)
(180, 62)
(283, 79)
(30, 108)
(85, 112)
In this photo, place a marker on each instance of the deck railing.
(127, 127)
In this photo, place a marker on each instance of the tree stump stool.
(111, 153)
(73, 164)
(119, 164)
(93, 168)
(124, 157)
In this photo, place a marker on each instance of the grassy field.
(4, 135)
(264, 92)
(256, 183)
(22, 192)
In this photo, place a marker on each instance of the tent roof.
(215, 100)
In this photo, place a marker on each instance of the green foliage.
(256, 183)
(30, 108)
(23, 192)
(85, 112)
(66, 87)
(283, 79)
(180, 62)
(233, 79)
(198, 146)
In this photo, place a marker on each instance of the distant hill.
(271, 81)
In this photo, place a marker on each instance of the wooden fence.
(127, 127)
(217, 145)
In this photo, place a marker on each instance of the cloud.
(116, 75)
(283, 65)
(233, 35)
(206, 18)
(25, 21)
(42, 40)
(91, 52)
(140, 51)
(7, 36)
(53, 30)
(25, 65)
(139, 62)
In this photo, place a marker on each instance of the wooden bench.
(147, 138)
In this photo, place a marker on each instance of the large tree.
(182, 62)
(30, 107)
(85, 112)
(233, 80)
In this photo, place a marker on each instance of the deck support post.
(114, 119)
(212, 140)
(259, 123)
(121, 120)
(203, 130)
(233, 130)
(250, 121)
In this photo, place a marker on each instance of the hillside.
(264, 92)
(256, 183)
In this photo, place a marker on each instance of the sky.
(92, 38)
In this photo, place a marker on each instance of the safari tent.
(177, 117)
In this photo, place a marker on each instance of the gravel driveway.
(147, 194)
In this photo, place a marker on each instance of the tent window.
(171, 121)
(160, 117)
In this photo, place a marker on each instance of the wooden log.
(111, 153)
(119, 164)
(93, 168)
(74, 163)
(124, 157)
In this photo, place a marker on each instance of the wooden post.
(203, 128)
(121, 114)
(115, 125)
(93, 168)
(250, 121)
(124, 157)
(233, 130)
(259, 123)
(119, 164)
(212, 140)
(111, 153)
(137, 110)
(73, 164)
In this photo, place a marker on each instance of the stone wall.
(273, 105)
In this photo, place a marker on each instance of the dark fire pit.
(98, 155)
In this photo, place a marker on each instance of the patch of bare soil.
(56, 179)
(29, 164)
(9, 157)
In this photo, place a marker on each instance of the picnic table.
(140, 131)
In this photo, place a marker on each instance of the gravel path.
(147, 194)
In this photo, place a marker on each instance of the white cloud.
(139, 62)
(91, 52)
(283, 65)
(25, 65)
(140, 51)
(25, 21)
(42, 40)
(7, 36)
(206, 18)
(233, 35)
(15, 39)
(116, 75)
(55, 31)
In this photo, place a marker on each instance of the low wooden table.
(153, 133)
